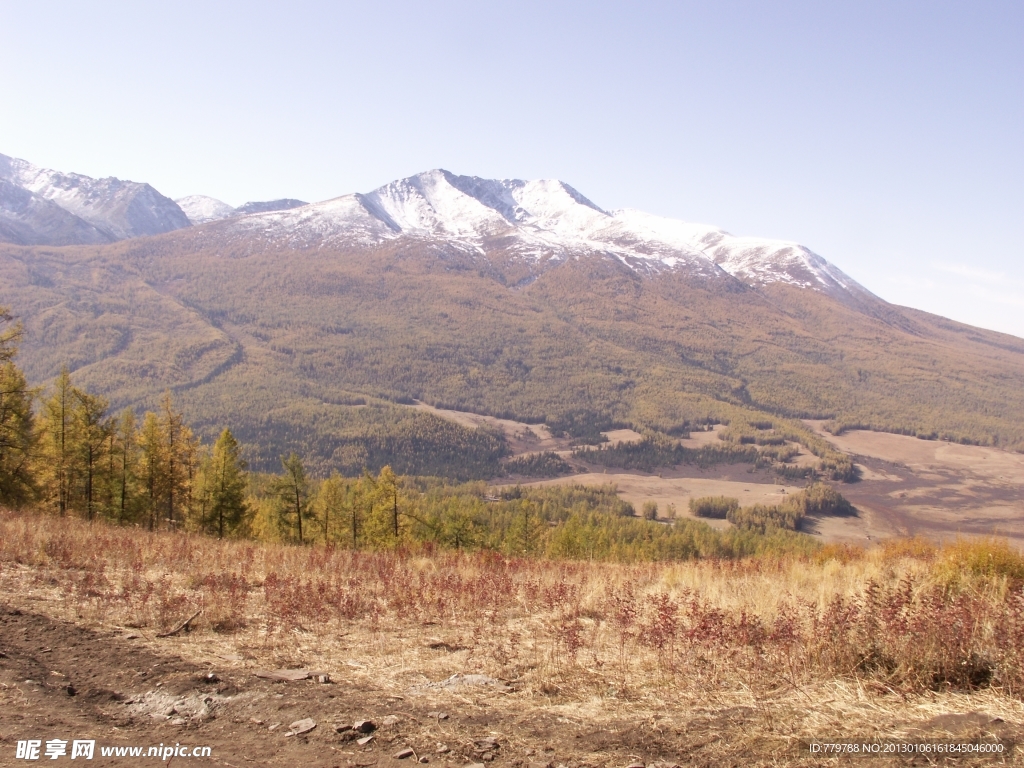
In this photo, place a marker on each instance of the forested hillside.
(308, 348)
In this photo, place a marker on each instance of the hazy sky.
(886, 136)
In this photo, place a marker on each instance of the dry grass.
(850, 641)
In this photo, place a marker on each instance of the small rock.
(70, 690)
(342, 727)
(438, 715)
(459, 680)
(301, 726)
(323, 679)
(283, 675)
(210, 677)
(474, 765)
(442, 749)
(424, 759)
(637, 764)
(402, 754)
(364, 726)
(274, 726)
(365, 740)
(178, 721)
(390, 720)
(255, 720)
(538, 765)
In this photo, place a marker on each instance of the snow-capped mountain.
(543, 222)
(265, 206)
(539, 223)
(90, 210)
(202, 209)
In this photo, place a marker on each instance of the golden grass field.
(705, 663)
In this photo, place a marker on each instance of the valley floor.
(908, 486)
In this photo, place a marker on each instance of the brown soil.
(125, 684)
(932, 488)
(123, 690)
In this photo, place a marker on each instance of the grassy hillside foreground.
(730, 660)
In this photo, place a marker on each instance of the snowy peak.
(265, 206)
(201, 209)
(544, 222)
(540, 223)
(114, 208)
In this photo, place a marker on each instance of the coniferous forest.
(65, 453)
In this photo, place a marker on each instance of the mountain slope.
(95, 210)
(506, 297)
(542, 223)
(201, 209)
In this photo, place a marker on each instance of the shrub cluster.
(717, 507)
(817, 499)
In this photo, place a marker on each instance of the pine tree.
(172, 426)
(125, 478)
(293, 491)
(154, 475)
(91, 433)
(224, 486)
(17, 434)
(58, 468)
(331, 502)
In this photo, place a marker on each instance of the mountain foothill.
(311, 327)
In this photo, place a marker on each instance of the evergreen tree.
(333, 500)
(58, 467)
(292, 490)
(17, 435)
(91, 433)
(154, 476)
(224, 486)
(125, 475)
(176, 460)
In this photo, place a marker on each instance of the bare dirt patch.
(675, 489)
(522, 438)
(934, 488)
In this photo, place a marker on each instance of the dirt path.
(62, 681)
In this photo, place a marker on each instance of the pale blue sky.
(886, 136)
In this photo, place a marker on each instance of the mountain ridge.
(518, 299)
(114, 208)
(540, 222)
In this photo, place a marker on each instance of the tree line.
(62, 451)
